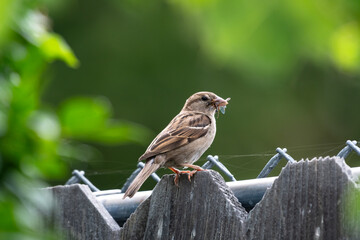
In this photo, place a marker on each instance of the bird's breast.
(191, 152)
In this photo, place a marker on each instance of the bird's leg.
(195, 167)
(177, 173)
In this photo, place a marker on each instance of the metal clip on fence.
(351, 146)
(274, 161)
(77, 177)
(214, 160)
(140, 166)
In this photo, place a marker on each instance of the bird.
(188, 135)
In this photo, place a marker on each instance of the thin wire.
(233, 160)
(320, 145)
(108, 172)
(338, 148)
(245, 155)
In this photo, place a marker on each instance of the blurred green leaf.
(54, 47)
(35, 204)
(269, 41)
(6, 10)
(351, 211)
(345, 44)
(73, 150)
(29, 135)
(82, 117)
(90, 119)
(45, 125)
(7, 209)
(34, 27)
(5, 95)
(122, 132)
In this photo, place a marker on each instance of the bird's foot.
(189, 173)
(177, 175)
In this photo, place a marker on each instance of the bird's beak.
(219, 102)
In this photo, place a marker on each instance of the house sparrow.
(184, 140)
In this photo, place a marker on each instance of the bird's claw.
(189, 173)
(176, 180)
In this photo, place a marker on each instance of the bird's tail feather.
(148, 169)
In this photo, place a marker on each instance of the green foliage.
(35, 139)
(148, 56)
(275, 59)
(270, 38)
(90, 119)
(351, 205)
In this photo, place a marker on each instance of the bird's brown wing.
(183, 129)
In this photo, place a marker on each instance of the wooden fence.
(316, 199)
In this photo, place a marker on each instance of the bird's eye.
(204, 98)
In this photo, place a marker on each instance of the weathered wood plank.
(81, 216)
(306, 202)
(202, 209)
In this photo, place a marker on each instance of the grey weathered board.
(80, 216)
(307, 201)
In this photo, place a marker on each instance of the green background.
(277, 61)
(88, 84)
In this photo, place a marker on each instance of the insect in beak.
(220, 104)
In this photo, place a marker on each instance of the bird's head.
(205, 102)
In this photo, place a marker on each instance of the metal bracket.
(140, 166)
(274, 161)
(77, 177)
(214, 160)
(351, 146)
